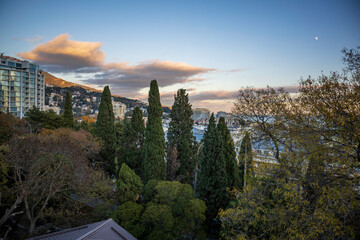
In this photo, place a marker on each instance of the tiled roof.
(107, 230)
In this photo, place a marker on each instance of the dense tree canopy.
(48, 167)
(310, 193)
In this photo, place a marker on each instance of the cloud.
(212, 95)
(35, 39)
(233, 70)
(135, 77)
(64, 55)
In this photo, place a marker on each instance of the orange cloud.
(63, 54)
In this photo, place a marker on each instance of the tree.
(68, 119)
(129, 216)
(10, 126)
(42, 119)
(49, 167)
(172, 165)
(181, 137)
(212, 178)
(129, 184)
(131, 142)
(232, 170)
(311, 192)
(246, 169)
(105, 130)
(154, 166)
(158, 222)
(187, 211)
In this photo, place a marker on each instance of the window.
(18, 65)
(11, 64)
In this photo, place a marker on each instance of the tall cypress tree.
(212, 178)
(232, 170)
(105, 130)
(131, 143)
(181, 137)
(246, 169)
(68, 119)
(154, 166)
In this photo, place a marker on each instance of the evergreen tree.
(181, 137)
(131, 143)
(212, 178)
(232, 170)
(154, 166)
(129, 184)
(105, 130)
(68, 119)
(246, 169)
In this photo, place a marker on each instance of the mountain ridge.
(59, 82)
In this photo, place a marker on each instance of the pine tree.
(68, 119)
(232, 170)
(131, 143)
(181, 137)
(105, 130)
(212, 179)
(154, 166)
(246, 169)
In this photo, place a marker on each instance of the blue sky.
(212, 48)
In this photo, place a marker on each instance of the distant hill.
(58, 82)
(85, 99)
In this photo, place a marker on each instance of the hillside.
(85, 99)
(58, 82)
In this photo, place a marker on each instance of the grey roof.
(106, 230)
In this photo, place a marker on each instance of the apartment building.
(22, 86)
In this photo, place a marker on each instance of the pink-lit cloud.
(63, 55)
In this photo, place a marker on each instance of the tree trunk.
(32, 227)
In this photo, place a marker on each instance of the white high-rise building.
(22, 86)
(119, 109)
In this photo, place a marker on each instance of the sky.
(210, 48)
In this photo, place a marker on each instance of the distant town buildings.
(201, 115)
(54, 108)
(119, 109)
(22, 86)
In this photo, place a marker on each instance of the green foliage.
(43, 119)
(309, 188)
(149, 190)
(187, 211)
(158, 222)
(212, 179)
(154, 166)
(129, 216)
(181, 137)
(131, 143)
(129, 184)
(246, 169)
(68, 119)
(105, 130)
(232, 170)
